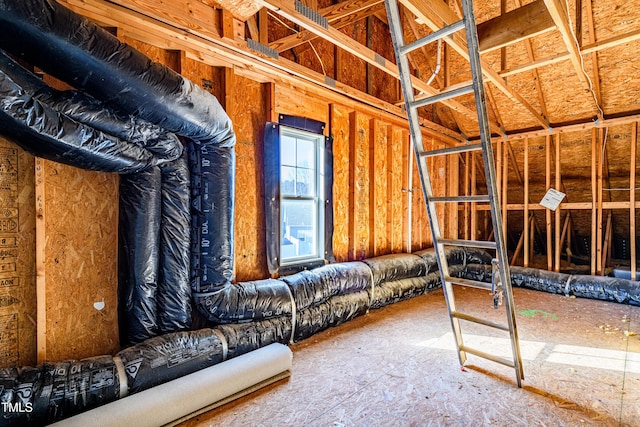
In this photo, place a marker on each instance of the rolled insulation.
(190, 394)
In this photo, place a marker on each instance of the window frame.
(274, 197)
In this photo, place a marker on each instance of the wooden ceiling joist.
(338, 16)
(560, 16)
(587, 49)
(287, 9)
(204, 45)
(519, 24)
(436, 15)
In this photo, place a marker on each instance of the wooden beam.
(338, 16)
(561, 17)
(286, 9)
(595, 82)
(474, 191)
(525, 231)
(600, 156)
(594, 198)
(614, 41)
(577, 206)
(556, 266)
(568, 128)
(263, 26)
(514, 26)
(466, 192)
(632, 199)
(436, 14)
(505, 188)
(606, 253)
(207, 46)
(547, 175)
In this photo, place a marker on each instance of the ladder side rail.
(395, 25)
(489, 165)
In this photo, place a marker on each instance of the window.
(298, 175)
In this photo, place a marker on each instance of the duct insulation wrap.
(212, 194)
(53, 391)
(245, 301)
(46, 133)
(190, 394)
(386, 268)
(174, 287)
(78, 52)
(312, 287)
(245, 337)
(333, 312)
(454, 256)
(170, 356)
(87, 110)
(138, 247)
(399, 290)
(604, 288)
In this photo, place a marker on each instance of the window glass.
(299, 227)
(288, 150)
(300, 216)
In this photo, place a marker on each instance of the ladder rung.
(470, 283)
(469, 243)
(452, 150)
(484, 322)
(488, 356)
(461, 199)
(443, 96)
(436, 35)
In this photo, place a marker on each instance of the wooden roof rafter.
(586, 49)
(287, 9)
(415, 32)
(560, 16)
(436, 14)
(148, 23)
(339, 15)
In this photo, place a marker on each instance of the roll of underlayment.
(192, 393)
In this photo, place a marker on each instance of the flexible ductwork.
(73, 49)
(613, 289)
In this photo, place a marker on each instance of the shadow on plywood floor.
(397, 366)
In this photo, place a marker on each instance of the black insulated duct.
(72, 49)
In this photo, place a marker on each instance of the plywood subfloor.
(396, 367)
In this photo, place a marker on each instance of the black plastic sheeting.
(246, 301)
(259, 313)
(46, 133)
(73, 49)
(139, 257)
(333, 312)
(174, 287)
(212, 193)
(89, 111)
(312, 287)
(622, 291)
(165, 358)
(455, 256)
(154, 286)
(392, 267)
(53, 391)
(245, 337)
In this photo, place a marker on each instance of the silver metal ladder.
(501, 283)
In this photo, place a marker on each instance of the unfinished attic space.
(319, 213)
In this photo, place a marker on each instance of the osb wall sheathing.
(246, 105)
(370, 187)
(17, 257)
(340, 132)
(77, 223)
